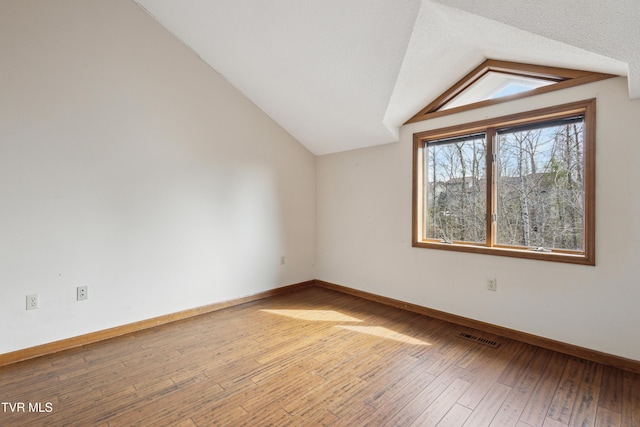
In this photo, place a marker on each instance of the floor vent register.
(479, 340)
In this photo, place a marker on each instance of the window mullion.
(491, 186)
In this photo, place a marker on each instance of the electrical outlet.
(32, 302)
(492, 284)
(283, 260)
(82, 292)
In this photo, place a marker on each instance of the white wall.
(130, 166)
(364, 237)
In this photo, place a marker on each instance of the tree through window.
(540, 186)
(519, 186)
(456, 189)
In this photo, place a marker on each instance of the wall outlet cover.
(32, 302)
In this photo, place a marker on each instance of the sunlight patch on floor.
(381, 332)
(315, 315)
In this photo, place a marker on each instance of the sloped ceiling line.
(340, 75)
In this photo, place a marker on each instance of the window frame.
(587, 108)
(562, 77)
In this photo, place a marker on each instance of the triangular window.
(493, 82)
(494, 85)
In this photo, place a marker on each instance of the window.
(493, 82)
(520, 186)
(495, 85)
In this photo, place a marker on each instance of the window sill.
(566, 257)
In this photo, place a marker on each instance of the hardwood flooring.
(310, 358)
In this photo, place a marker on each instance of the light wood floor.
(316, 357)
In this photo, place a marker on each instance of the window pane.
(495, 85)
(456, 190)
(541, 186)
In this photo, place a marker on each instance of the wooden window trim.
(586, 257)
(564, 77)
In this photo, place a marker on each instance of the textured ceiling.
(345, 74)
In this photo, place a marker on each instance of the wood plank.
(427, 396)
(607, 418)
(300, 381)
(455, 417)
(399, 399)
(436, 411)
(565, 397)
(550, 422)
(537, 407)
(320, 418)
(225, 415)
(486, 379)
(477, 356)
(518, 365)
(631, 399)
(186, 423)
(278, 417)
(444, 357)
(391, 385)
(192, 399)
(513, 406)
(486, 410)
(584, 414)
(611, 389)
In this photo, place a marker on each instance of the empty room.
(302, 213)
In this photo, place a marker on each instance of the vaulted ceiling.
(346, 74)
